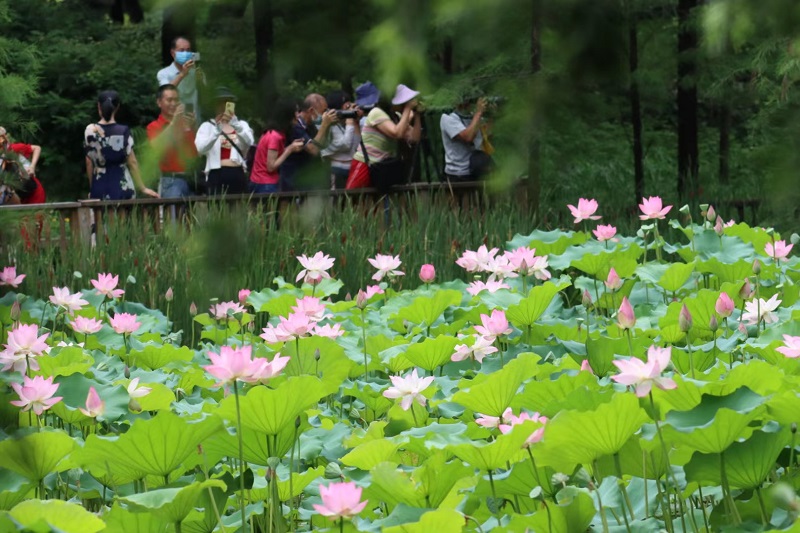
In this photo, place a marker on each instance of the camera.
(343, 114)
(496, 100)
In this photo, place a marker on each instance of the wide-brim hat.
(367, 95)
(223, 93)
(403, 95)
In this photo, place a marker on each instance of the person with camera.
(171, 136)
(21, 159)
(272, 150)
(183, 73)
(462, 139)
(302, 170)
(343, 137)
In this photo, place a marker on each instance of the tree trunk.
(179, 21)
(447, 56)
(636, 106)
(535, 148)
(130, 7)
(264, 31)
(688, 164)
(725, 120)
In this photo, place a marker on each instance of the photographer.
(183, 73)
(172, 137)
(343, 137)
(302, 170)
(20, 160)
(463, 142)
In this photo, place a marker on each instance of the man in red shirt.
(28, 157)
(172, 138)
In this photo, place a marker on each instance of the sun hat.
(367, 95)
(403, 94)
(223, 93)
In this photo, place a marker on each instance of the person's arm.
(470, 132)
(315, 145)
(206, 137)
(89, 170)
(274, 161)
(244, 134)
(133, 165)
(36, 152)
(397, 131)
(414, 134)
(182, 73)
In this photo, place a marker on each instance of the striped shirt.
(379, 146)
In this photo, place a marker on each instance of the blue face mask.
(183, 57)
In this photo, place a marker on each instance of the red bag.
(359, 176)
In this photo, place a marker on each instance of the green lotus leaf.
(432, 352)
(257, 446)
(69, 360)
(701, 307)
(441, 521)
(437, 477)
(758, 376)
(521, 479)
(747, 463)
(150, 447)
(602, 350)
(271, 410)
(785, 408)
(213, 500)
(327, 287)
(394, 486)
(574, 512)
(426, 309)
(529, 309)
(545, 397)
(332, 367)
(701, 360)
(676, 276)
(124, 521)
(494, 394)
(580, 437)
(756, 236)
(299, 482)
(155, 357)
(684, 397)
(75, 389)
(554, 242)
(276, 303)
(159, 398)
(639, 457)
(55, 515)
(13, 488)
(497, 454)
(171, 504)
(373, 399)
(36, 454)
(726, 272)
(366, 456)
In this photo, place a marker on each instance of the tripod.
(427, 158)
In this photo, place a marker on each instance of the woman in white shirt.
(225, 141)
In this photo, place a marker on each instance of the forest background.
(612, 99)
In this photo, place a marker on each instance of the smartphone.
(230, 108)
(188, 108)
(196, 57)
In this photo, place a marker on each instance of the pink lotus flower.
(586, 299)
(315, 268)
(408, 389)
(724, 305)
(494, 325)
(652, 208)
(87, 326)
(625, 317)
(265, 370)
(8, 276)
(492, 286)
(340, 500)
(779, 251)
(387, 266)
(635, 372)
(499, 268)
(791, 347)
(313, 308)
(685, 319)
(234, 364)
(135, 391)
(480, 348)
(124, 323)
(427, 273)
(613, 282)
(584, 211)
(193, 309)
(756, 311)
(475, 261)
(719, 227)
(521, 259)
(24, 346)
(537, 434)
(106, 284)
(494, 421)
(243, 295)
(747, 291)
(94, 405)
(71, 302)
(604, 233)
(169, 295)
(225, 310)
(539, 268)
(328, 331)
(296, 325)
(586, 367)
(36, 394)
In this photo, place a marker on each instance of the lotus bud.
(711, 215)
(316, 355)
(168, 295)
(626, 318)
(361, 299)
(795, 238)
(685, 319)
(713, 325)
(587, 299)
(724, 305)
(193, 309)
(251, 327)
(746, 292)
(523, 267)
(793, 427)
(243, 295)
(348, 297)
(719, 227)
(16, 311)
(613, 281)
(126, 372)
(134, 406)
(685, 209)
(427, 273)
(536, 493)
(586, 367)
(333, 471)
(756, 267)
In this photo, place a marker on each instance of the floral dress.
(108, 147)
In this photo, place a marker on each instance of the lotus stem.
(624, 488)
(656, 238)
(630, 343)
(494, 494)
(364, 342)
(703, 507)
(761, 506)
(691, 355)
(603, 516)
(241, 450)
(341, 525)
(414, 415)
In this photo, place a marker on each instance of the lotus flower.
(492, 286)
(791, 347)
(756, 311)
(481, 347)
(24, 346)
(724, 305)
(315, 268)
(635, 372)
(652, 208)
(328, 331)
(135, 391)
(613, 282)
(500, 268)
(626, 319)
(234, 364)
(584, 211)
(94, 405)
(8, 276)
(586, 299)
(494, 421)
(266, 370)
(225, 310)
(87, 326)
(685, 319)
(169, 295)
(719, 227)
(313, 308)
(427, 273)
(522, 259)
(124, 323)
(387, 266)
(106, 284)
(71, 302)
(408, 389)
(476, 261)
(243, 295)
(779, 251)
(340, 500)
(539, 268)
(604, 233)
(537, 434)
(494, 325)
(294, 326)
(586, 366)
(36, 394)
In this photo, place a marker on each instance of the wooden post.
(81, 223)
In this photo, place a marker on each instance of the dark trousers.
(227, 180)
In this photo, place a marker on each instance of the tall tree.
(688, 153)
(263, 25)
(635, 100)
(535, 147)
